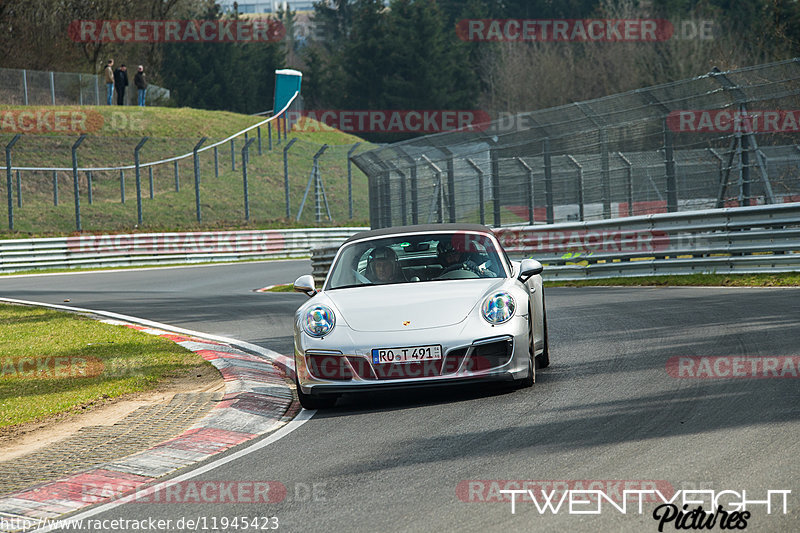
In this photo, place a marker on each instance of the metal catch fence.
(719, 140)
(37, 87)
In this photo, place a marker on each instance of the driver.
(454, 258)
(383, 266)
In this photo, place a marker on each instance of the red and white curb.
(257, 401)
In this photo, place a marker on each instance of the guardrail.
(165, 248)
(730, 240)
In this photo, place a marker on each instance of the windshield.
(416, 259)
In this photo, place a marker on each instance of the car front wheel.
(543, 359)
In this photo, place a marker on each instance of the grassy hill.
(115, 132)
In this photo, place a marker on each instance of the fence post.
(75, 188)
(285, 173)
(175, 170)
(150, 173)
(278, 123)
(196, 161)
(245, 160)
(669, 165)
(52, 88)
(350, 178)
(480, 189)
(9, 190)
(528, 188)
(722, 181)
(403, 186)
(495, 186)
(548, 181)
(451, 184)
(19, 189)
(89, 185)
(55, 188)
(258, 130)
(414, 191)
(628, 182)
(233, 154)
(581, 212)
(605, 174)
(138, 180)
(437, 196)
(269, 136)
(122, 185)
(216, 162)
(97, 90)
(25, 85)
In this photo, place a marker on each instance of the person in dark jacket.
(120, 82)
(141, 84)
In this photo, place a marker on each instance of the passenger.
(383, 266)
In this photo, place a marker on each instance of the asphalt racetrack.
(614, 411)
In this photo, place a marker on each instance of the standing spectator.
(109, 76)
(120, 82)
(141, 84)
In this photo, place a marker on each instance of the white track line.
(298, 421)
(303, 417)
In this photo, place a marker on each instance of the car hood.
(423, 305)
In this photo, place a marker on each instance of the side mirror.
(529, 268)
(305, 284)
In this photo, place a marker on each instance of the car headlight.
(498, 308)
(318, 321)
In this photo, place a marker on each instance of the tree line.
(406, 54)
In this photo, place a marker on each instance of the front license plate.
(408, 354)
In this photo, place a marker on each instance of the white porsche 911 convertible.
(419, 306)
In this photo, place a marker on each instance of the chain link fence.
(35, 87)
(719, 140)
(262, 175)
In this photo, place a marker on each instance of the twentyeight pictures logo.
(176, 31)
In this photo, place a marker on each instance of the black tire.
(528, 380)
(543, 359)
(314, 402)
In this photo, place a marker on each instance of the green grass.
(281, 288)
(53, 362)
(720, 280)
(175, 132)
